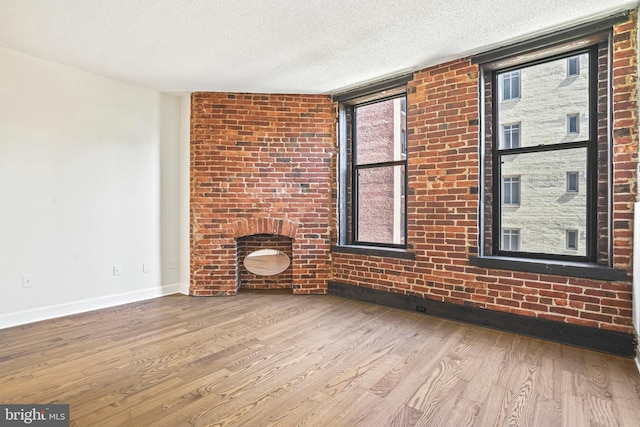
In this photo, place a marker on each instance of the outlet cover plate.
(27, 280)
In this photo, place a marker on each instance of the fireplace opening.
(264, 262)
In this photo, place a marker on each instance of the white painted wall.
(175, 186)
(89, 178)
(185, 189)
(170, 189)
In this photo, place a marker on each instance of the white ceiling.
(275, 46)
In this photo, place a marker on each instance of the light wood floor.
(269, 359)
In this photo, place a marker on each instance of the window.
(573, 124)
(510, 136)
(511, 190)
(510, 240)
(523, 191)
(373, 168)
(572, 182)
(510, 84)
(572, 240)
(573, 66)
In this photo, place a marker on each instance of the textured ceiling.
(277, 46)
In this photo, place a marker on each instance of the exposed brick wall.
(260, 164)
(625, 134)
(443, 118)
(247, 244)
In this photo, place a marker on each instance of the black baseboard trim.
(612, 342)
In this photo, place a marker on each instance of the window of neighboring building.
(572, 182)
(511, 190)
(510, 136)
(510, 240)
(510, 85)
(572, 240)
(373, 150)
(573, 124)
(573, 66)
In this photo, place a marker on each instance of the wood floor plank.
(267, 358)
(574, 411)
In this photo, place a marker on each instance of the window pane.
(573, 124)
(545, 210)
(510, 240)
(510, 85)
(511, 190)
(381, 205)
(572, 240)
(546, 100)
(572, 182)
(510, 136)
(379, 132)
(573, 66)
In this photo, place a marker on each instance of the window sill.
(558, 268)
(374, 251)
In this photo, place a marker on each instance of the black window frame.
(357, 167)
(589, 142)
(348, 103)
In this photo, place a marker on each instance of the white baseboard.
(75, 307)
(183, 289)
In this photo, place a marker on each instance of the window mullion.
(548, 147)
(382, 164)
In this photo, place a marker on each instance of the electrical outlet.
(27, 280)
(421, 309)
(117, 269)
(145, 267)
